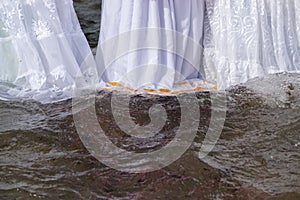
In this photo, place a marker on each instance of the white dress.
(42, 48)
(245, 39)
(151, 44)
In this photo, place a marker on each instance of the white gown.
(42, 48)
(245, 39)
(165, 56)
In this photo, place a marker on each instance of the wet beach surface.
(257, 156)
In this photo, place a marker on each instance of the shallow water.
(260, 140)
(41, 155)
(258, 154)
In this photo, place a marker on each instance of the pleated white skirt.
(151, 44)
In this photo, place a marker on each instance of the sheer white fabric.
(42, 47)
(250, 38)
(147, 65)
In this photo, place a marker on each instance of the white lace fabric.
(42, 46)
(245, 39)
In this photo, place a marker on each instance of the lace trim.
(179, 88)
